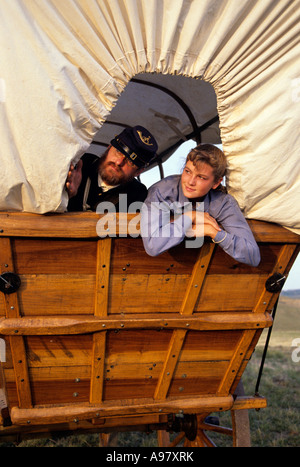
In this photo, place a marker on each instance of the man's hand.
(74, 179)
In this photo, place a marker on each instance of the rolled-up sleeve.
(160, 232)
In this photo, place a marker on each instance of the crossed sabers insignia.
(145, 139)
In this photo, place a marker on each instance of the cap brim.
(136, 159)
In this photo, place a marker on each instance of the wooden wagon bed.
(99, 336)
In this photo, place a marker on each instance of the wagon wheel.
(198, 429)
(193, 429)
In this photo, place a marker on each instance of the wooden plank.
(53, 391)
(59, 225)
(197, 378)
(248, 402)
(270, 232)
(102, 277)
(133, 388)
(48, 415)
(187, 307)
(58, 350)
(101, 306)
(235, 363)
(57, 294)
(197, 279)
(98, 361)
(44, 325)
(169, 364)
(17, 346)
(54, 256)
(230, 292)
(219, 292)
(166, 291)
(75, 373)
(222, 263)
(209, 346)
(84, 225)
(66, 225)
(129, 257)
(21, 371)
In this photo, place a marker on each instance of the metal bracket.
(9, 282)
(275, 282)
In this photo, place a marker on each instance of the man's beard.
(110, 176)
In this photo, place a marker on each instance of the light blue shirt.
(159, 233)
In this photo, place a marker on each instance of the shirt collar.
(104, 185)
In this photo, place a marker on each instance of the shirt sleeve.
(160, 232)
(236, 237)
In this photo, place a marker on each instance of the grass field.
(276, 426)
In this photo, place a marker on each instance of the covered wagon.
(97, 336)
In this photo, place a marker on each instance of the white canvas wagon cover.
(65, 63)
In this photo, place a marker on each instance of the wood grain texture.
(101, 331)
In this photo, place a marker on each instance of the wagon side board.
(98, 334)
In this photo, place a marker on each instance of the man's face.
(115, 168)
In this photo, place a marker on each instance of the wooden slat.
(84, 225)
(59, 350)
(228, 292)
(102, 277)
(64, 225)
(98, 361)
(79, 300)
(101, 305)
(47, 325)
(197, 378)
(54, 256)
(197, 279)
(129, 257)
(169, 364)
(41, 416)
(246, 402)
(17, 346)
(186, 310)
(56, 294)
(236, 361)
(166, 291)
(270, 232)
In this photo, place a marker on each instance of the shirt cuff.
(220, 237)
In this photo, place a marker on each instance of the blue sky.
(174, 165)
(293, 280)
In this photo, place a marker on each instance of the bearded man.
(94, 180)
